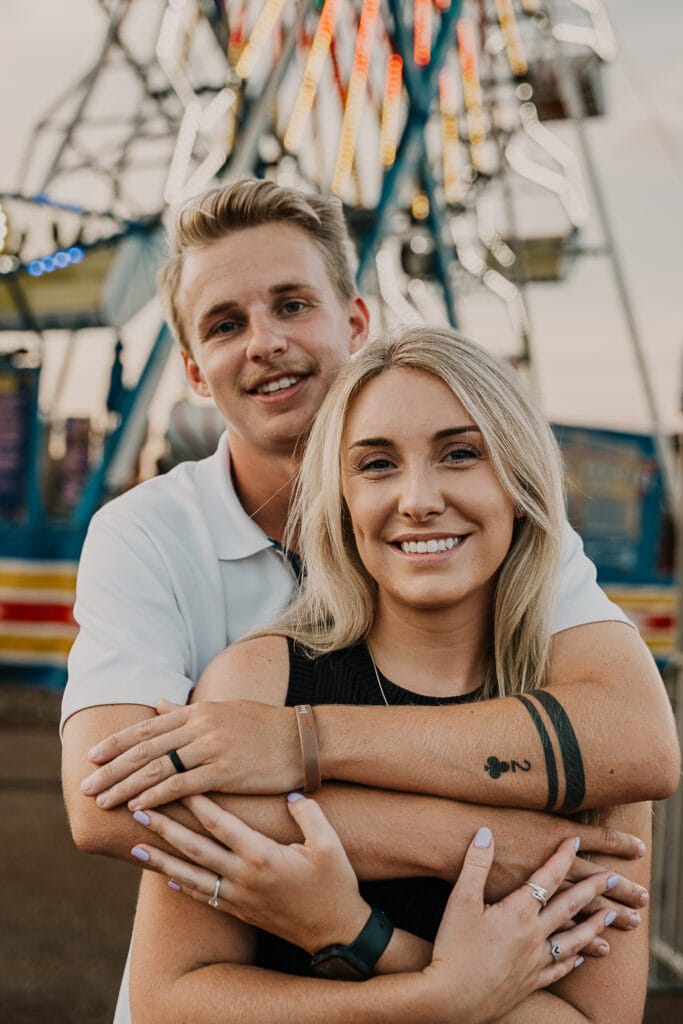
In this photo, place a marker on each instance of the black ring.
(176, 761)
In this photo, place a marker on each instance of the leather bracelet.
(308, 738)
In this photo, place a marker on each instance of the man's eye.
(293, 306)
(226, 327)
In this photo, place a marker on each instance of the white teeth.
(422, 547)
(277, 385)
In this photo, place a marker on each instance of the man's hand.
(226, 747)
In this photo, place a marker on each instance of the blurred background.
(513, 167)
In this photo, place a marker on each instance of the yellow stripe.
(44, 580)
(36, 644)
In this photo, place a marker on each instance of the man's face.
(268, 332)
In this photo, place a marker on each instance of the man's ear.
(359, 320)
(195, 376)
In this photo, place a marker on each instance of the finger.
(600, 839)
(122, 768)
(573, 941)
(226, 827)
(151, 774)
(626, 919)
(626, 892)
(149, 728)
(572, 901)
(315, 827)
(556, 972)
(201, 850)
(176, 787)
(548, 877)
(164, 707)
(469, 889)
(191, 877)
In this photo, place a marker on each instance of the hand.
(524, 839)
(487, 959)
(231, 746)
(307, 893)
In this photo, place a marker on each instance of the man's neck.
(263, 482)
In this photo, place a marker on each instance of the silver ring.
(555, 951)
(213, 902)
(539, 893)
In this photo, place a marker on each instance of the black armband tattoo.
(569, 748)
(548, 752)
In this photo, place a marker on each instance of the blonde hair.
(336, 606)
(250, 203)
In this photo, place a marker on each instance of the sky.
(582, 354)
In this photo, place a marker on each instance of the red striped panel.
(19, 611)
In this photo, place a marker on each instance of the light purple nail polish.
(644, 899)
(142, 818)
(578, 961)
(293, 797)
(577, 843)
(612, 881)
(141, 854)
(174, 885)
(101, 800)
(634, 920)
(87, 785)
(609, 918)
(483, 838)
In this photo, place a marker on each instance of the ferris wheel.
(434, 121)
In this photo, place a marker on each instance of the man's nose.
(421, 495)
(267, 338)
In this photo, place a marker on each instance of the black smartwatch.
(355, 962)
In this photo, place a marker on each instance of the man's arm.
(601, 734)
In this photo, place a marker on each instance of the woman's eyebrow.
(385, 442)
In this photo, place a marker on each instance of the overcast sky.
(582, 353)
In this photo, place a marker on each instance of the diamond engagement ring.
(213, 902)
(555, 951)
(539, 893)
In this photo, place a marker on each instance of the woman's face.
(432, 524)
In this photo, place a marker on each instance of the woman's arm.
(608, 990)
(190, 963)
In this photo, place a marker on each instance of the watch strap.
(366, 949)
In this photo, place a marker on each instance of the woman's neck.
(440, 653)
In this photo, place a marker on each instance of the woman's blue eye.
(463, 454)
(376, 464)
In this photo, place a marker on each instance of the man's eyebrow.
(291, 286)
(385, 442)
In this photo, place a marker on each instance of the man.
(261, 298)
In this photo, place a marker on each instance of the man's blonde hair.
(337, 605)
(250, 203)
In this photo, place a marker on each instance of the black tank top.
(348, 677)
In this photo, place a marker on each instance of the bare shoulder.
(255, 669)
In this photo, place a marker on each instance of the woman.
(429, 518)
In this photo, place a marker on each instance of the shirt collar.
(233, 533)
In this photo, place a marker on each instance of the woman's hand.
(487, 959)
(307, 893)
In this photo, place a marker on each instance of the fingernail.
(133, 804)
(602, 949)
(142, 818)
(612, 881)
(641, 849)
(577, 843)
(93, 753)
(102, 799)
(634, 920)
(483, 838)
(141, 854)
(609, 918)
(578, 961)
(174, 885)
(87, 785)
(644, 899)
(293, 797)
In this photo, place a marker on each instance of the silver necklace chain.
(379, 681)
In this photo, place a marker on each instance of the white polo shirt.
(174, 570)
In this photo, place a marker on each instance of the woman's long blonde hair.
(336, 606)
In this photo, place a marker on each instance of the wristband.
(356, 962)
(308, 738)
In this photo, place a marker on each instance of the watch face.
(337, 968)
